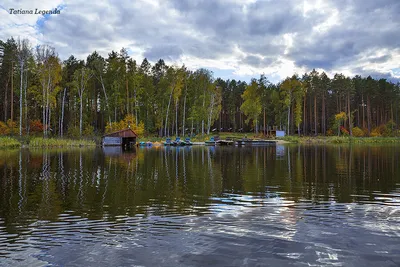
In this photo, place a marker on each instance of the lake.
(201, 206)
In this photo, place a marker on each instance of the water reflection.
(283, 201)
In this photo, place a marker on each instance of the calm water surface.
(201, 206)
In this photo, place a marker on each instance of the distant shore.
(338, 140)
(40, 142)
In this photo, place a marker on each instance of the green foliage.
(291, 139)
(251, 106)
(292, 93)
(73, 132)
(128, 122)
(344, 131)
(55, 142)
(339, 140)
(357, 132)
(88, 131)
(339, 119)
(376, 132)
(4, 130)
(7, 142)
(112, 87)
(12, 126)
(384, 130)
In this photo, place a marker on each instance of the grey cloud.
(376, 74)
(315, 63)
(171, 52)
(380, 59)
(343, 45)
(212, 30)
(257, 61)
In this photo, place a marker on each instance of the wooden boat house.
(125, 138)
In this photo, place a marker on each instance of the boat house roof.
(122, 133)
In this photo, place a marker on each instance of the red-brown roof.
(123, 133)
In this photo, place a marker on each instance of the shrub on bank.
(357, 132)
(344, 131)
(330, 132)
(53, 142)
(4, 130)
(8, 142)
(35, 126)
(338, 140)
(291, 139)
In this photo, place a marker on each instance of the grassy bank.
(201, 138)
(59, 143)
(8, 142)
(339, 140)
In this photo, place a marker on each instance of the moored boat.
(211, 142)
(188, 142)
(168, 142)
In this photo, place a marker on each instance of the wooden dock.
(225, 142)
(255, 142)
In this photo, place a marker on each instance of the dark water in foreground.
(201, 206)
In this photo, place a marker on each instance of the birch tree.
(251, 106)
(23, 51)
(81, 78)
(49, 69)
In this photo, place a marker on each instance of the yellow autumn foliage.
(128, 121)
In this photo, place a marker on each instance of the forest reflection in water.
(68, 187)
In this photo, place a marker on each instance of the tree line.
(40, 94)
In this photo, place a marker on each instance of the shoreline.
(7, 142)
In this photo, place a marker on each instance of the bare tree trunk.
(127, 97)
(136, 111)
(210, 114)
(202, 119)
(240, 119)
(288, 121)
(298, 129)
(310, 124)
(166, 116)
(6, 101)
(184, 113)
(49, 116)
(304, 116)
(363, 113)
(348, 108)
(264, 122)
(323, 125)
(20, 98)
(26, 104)
(44, 110)
(105, 96)
(369, 115)
(173, 125)
(176, 117)
(12, 93)
(80, 117)
(315, 114)
(48, 105)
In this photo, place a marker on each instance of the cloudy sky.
(234, 38)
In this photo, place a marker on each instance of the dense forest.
(40, 94)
